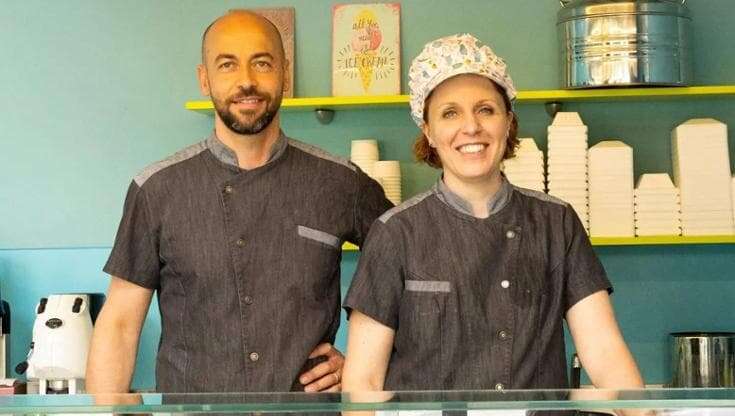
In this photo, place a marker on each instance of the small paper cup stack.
(526, 169)
(364, 153)
(611, 189)
(388, 173)
(657, 206)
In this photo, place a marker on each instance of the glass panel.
(679, 402)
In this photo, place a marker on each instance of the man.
(240, 235)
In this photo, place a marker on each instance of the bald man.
(240, 235)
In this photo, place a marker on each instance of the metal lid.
(703, 334)
(581, 9)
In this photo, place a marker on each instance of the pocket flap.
(428, 286)
(319, 236)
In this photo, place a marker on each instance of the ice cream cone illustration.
(366, 40)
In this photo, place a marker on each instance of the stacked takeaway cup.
(611, 189)
(526, 169)
(567, 162)
(364, 153)
(733, 199)
(702, 173)
(388, 173)
(657, 206)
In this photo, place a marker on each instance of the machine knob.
(54, 323)
(41, 306)
(22, 367)
(77, 305)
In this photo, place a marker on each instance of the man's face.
(243, 73)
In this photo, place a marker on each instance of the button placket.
(506, 325)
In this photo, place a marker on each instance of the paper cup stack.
(364, 153)
(702, 173)
(733, 199)
(526, 169)
(388, 173)
(567, 162)
(657, 206)
(611, 189)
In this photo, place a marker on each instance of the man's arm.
(115, 339)
(326, 376)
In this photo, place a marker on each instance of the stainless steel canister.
(703, 359)
(608, 43)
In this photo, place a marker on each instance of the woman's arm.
(600, 345)
(369, 345)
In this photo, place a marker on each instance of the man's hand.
(326, 376)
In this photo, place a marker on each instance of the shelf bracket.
(553, 107)
(324, 115)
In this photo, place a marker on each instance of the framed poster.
(285, 20)
(366, 49)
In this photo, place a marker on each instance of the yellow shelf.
(534, 96)
(638, 241)
(662, 240)
(350, 247)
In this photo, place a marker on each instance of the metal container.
(703, 359)
(607, 43)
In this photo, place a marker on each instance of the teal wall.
(93, 91)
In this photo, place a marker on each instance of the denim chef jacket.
(476, 303)
(246, 263)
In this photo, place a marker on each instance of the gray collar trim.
(494, 205)
(227, 156)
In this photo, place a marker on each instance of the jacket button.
(505, 284)
(500, 386)
(510, 234)
(248, 300)
(228, 189)
(240, 242)
(254, 356)
(503, 335)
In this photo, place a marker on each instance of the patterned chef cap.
(449, 56)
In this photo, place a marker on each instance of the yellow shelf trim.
(638, 241)
(663, 240)
(533, 96)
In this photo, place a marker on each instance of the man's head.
(243, 70)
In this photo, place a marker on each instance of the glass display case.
(679, 402)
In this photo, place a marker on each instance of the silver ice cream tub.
(607, 43)
(703, 359)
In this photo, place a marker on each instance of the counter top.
(669, 401)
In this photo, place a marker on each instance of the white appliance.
(61, 337)
(4, 334)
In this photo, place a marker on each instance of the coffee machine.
(62, 333)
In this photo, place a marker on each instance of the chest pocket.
(422, 322)
(319, 254)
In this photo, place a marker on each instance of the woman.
(466, 285)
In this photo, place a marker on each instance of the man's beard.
(231, 120)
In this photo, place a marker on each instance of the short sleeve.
(134, 256)
(583, 273)
(377, 286)
(370, 203)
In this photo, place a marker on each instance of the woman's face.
(468, 123)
